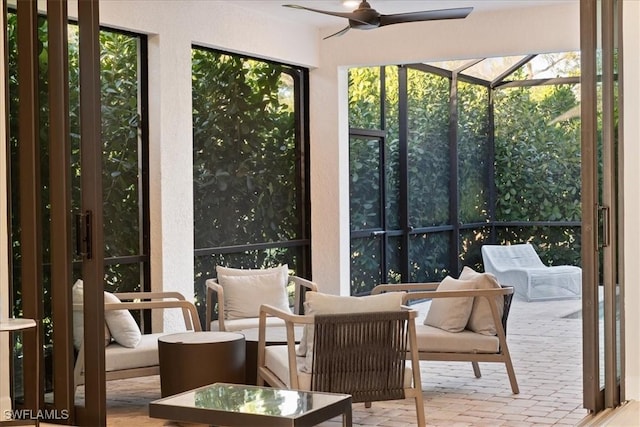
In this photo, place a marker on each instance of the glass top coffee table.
(244, 405)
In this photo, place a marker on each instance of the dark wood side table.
(193, 359)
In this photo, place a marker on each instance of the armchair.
(362, 354)
(142, 359)
(216, 299)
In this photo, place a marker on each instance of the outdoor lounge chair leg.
(512, 377)
(367, 404)
(476, 369)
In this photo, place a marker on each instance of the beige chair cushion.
(481, 320)
(276, 360)
(450, 314)
(117, 357)
(283, 270)
(319, 303)
(122, 325)
(247, 323)
(243, 295)
(436, 340)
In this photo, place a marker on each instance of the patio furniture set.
(354, 348)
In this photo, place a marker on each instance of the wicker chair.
(361, 354)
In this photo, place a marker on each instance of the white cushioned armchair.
(236, 295)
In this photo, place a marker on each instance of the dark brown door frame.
(602, 219)
(94, 412)
(60, 200)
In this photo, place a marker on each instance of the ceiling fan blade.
(349, 15)
(339, 33)
(429, 15)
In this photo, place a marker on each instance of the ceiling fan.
(367, 18)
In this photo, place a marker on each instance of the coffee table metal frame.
(184, 407)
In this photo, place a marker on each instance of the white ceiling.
(274, 7)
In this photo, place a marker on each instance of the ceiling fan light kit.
(367, 18)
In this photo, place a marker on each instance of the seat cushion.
(276, 361)
(436, 340)
(232, 325)
(144, 354)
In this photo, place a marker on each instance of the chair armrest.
(405, 287)
(290, 320)
(189, 311)
(302, 286)
(215, 293)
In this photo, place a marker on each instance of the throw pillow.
(481, 319)
(243, 294)
(450, 314)
(123, 327)
(77, 293)
(223, 272)
(319, 303)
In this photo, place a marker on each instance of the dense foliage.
(246, 164)
(536, 168)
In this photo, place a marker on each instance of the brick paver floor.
(545, 341)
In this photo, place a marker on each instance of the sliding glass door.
(602, 156)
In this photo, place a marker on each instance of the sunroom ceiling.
(274, 7)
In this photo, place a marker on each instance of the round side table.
(193, 359)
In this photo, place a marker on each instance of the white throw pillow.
(450, 314)
(244, 294)
(319, 303)
(481, 319)
(77, 294)
(123, 327)
(223, 272)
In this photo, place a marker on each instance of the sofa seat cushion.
(233, 325)
(436, 340)
(277, 361)
(144, 354)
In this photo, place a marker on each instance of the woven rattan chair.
(361, 354)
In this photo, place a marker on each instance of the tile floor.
(546, 348)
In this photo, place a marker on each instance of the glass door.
(603, 281)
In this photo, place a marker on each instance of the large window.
(249, 164)
(445, 157)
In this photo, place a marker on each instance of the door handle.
(83, 234)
